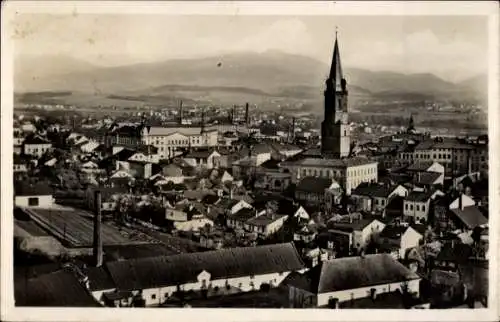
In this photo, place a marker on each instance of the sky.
(452, 47)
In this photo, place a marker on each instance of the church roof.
(336, 74)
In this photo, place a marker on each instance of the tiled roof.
(471, 216)
(35, 139)
(243, 215)
(456, 253)
(420, 166)
(418, 196)
(393, 232)
(200, 154)
(314, 184)
(327, 163)
(374, 190)
(350, 226)
(221, 264)
(184, 130)
(60, 288)
(264, 220)
(427, 178)
(349, 273)
(99, 279)
(38, 189)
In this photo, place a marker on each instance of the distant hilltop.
(269, 74)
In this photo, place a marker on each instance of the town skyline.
(400, 44)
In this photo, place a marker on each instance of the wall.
(410, 210)
(357, 175)
(409, 239)
(45, 201)
(36, 149)
(241, 283)
(363, 292)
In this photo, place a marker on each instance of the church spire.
(336, 76)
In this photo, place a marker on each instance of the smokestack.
(247, 115)
(180, 113)
(97, 230)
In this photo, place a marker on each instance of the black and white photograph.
(235, 160)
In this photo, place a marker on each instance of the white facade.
(466, 201)
(169, 140)
(37, 149)
(409, 239)
(363, 292)
(156, 296)
(45, 201)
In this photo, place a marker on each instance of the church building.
(334, 160)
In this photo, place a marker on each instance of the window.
(153, 296)
(406, 206)
(418, 208)
(33, 201)
(411, 207)
(166, 295)
(423, 207)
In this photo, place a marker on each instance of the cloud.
(421, 52)
(289, 35)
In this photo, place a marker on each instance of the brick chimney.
(97, 243)
(247, 115)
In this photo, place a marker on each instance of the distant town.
(240, 206)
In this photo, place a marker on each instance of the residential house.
(203, 158)
(266, 224)
(214, 272)
(33, 195)
(36, 146)
(281, 151)
(460, 213)
(307, 234)
(354, 234)
(270, 177)
(322, 192)
(337, 282)
(20, 164)
(398, 240)
(239, 219)
(373, 197)
(417, 204)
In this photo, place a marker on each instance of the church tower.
(335, 136)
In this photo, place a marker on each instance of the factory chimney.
(247, 115)
(180, 113)
(97, 244)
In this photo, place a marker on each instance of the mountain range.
(229, 77)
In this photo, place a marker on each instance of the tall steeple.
(336, 75)
(335, 130)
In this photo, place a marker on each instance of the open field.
(75, 229)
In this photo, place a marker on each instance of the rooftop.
(220, 264)
(349, 273)
(470, 216)
(314, 184)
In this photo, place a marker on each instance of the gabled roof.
(395, 232)
(470, 216)
(35, 139)
(200, 154)
(419, 196)
(243, 214)
(427, 178)
(314, 184)
(350, 273)
(349, 226)
(99, 279)
(26, 189)
(374, 190)
(173, 270)
(420, 166)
